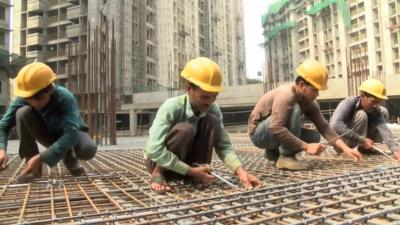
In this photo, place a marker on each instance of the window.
(2, 13)
(2, 38)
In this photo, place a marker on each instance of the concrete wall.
(234, 96)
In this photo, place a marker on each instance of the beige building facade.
(4, 49)
(355, 39)
(189, 29)
(154, 38)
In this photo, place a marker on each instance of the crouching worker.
(48, 114)
(187, 128)
(275, 122)
(366, 118)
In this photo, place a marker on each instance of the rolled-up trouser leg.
(178, 140)
(31, 127)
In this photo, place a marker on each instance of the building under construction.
(355, 39)
(150, 51)
(4, 52)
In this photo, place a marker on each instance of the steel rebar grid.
(341, 198)
(335, 191)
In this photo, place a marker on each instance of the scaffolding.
(92, 79)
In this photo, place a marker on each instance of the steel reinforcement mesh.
(335, 191)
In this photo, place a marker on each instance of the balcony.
(4, 25)
(57, 4)
(76, 50)
(73, 12)
(35, 54)
(35, 22)
(73, 30)
(54, 56)
(36, 5)
(34, 39)
(5, 2)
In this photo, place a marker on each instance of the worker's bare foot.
(157, 183)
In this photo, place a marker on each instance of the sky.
(255, 56)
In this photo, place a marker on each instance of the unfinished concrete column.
(133, 122)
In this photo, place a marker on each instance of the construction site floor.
(335, 191)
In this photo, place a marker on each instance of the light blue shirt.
(177, 110)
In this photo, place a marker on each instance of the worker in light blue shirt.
(365, 120)
(187, 128)
(49, 114)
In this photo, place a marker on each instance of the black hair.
(193, 86)
(41, 92)
(299, 79)
(366, 94)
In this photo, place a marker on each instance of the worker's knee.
(384, 112)
(310, 136)
(212, 121)
(87, 151)
(361, 116)
(184, 130)
(24, 112)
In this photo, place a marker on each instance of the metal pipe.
(339, 136)
(220, 178)
(384, 154)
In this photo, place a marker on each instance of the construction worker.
(48, 114)
(187, 128)
(365, 119)
(275, 122)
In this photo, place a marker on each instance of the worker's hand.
(3, 159)
(396, 154)
(352, 153)
(249, 181)
(32, 165)
(314, 148)
(202, 172)
(368, 144)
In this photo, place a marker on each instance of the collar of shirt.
(189, 111)
(358, 103)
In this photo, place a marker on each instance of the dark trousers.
(31, 128)
(190, 146)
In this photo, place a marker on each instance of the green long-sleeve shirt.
(61, 117)
(177, 110)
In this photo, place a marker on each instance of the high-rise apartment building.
(154, 38)
(355, 39)
(4, 50)
(40, 32)
(187, 29)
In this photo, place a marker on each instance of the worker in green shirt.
(187, 128)
(48, 114)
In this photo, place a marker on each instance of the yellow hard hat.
(374, 87)
(204, 73)
(32, 78)
(314, 73)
